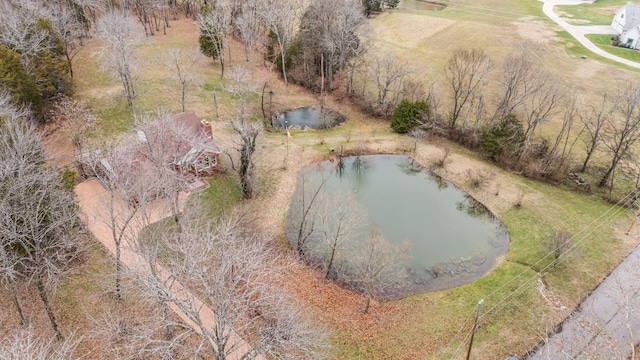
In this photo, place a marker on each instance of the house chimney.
(206, 127)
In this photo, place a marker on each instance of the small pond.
(421, 5)
(452, 238)
(313, 117)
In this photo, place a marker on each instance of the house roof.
(632, 15)
(178, 135)
(176, 140)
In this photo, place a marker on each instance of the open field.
(432, 325)
(598, 13)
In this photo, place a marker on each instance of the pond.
(421, 5)
(452, 239)
(313, 117)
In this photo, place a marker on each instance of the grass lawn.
(598, 13)
(489, 11)
(604, 43)
(222, 194)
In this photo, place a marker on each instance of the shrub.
(478, 177)
(506, 136)
(408, 114)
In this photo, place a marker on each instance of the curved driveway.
(579, 32)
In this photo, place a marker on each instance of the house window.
(200, 165)
(205, 163)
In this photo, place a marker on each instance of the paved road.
(579, 32)
(607, 323)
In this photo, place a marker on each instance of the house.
(180, 144)
(191, 149)
(626, 23)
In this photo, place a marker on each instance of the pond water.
(313, 117)
(453, 238)
(421, 5)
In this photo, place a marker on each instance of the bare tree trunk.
(118, 273)
(215, 102)
(16, 302)
(183, 101)
(47, 306)
(366, 305)
(330, 265)
(322, 74)
(264, 115)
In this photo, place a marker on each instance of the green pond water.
(313, 117)
(453, 238)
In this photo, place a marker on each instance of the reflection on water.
(421, 5)
(454, 239)
(312, 117)
(472, 207)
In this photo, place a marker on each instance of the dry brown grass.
(415, 327)
(426, 42)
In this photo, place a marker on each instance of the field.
(598, 13)
(433, 325)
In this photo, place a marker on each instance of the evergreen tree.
(407, 115)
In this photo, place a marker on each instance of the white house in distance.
(626, 22)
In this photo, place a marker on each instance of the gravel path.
(579, 32)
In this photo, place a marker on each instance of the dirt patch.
(589, 68)
(530, 29)
(410, 31)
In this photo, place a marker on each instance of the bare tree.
(562, 147)
(340, 220)
(25, 344)
(389, 75)
(120, 37)
(620, 136)
(543, 100)
(465, 73)
(376, 271)
(594, 120)
(329, 36)
(140, 327)
(250, 26)
(559, 244)
(129, 185)
(18, 31)
(76, 119)
(180, 65)
(215, 28)
(301, 220)
(281, 18)
(38, 215)
(514, 77)
(232, 270)
(148, 12)
(248, 133)
(242, 86)
(164, 146)
(67, 27)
